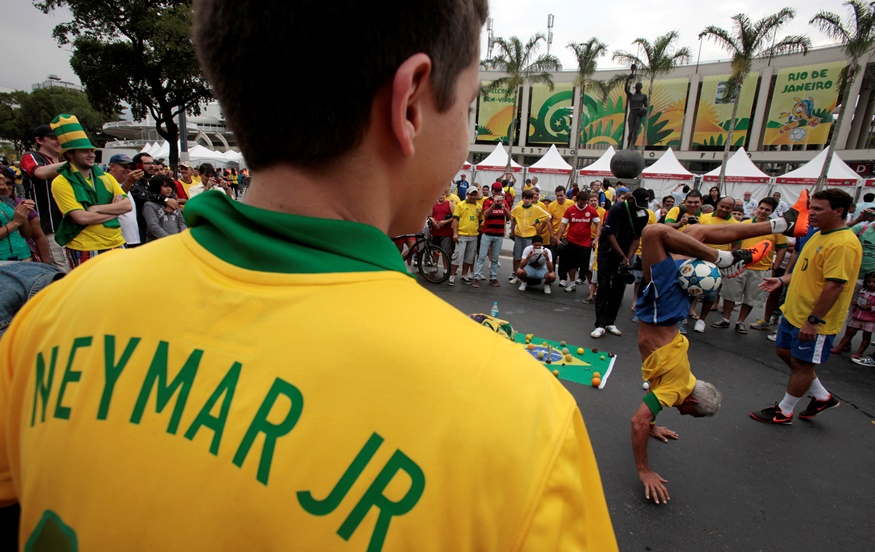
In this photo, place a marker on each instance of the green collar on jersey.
(268, 241)
(835, 230)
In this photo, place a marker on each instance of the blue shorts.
(663, 301)
(814, 352)
(536, 273)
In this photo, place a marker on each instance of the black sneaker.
(815, 407)
(721, 324)
(772, 415)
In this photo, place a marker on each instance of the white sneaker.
(547, 289)
(578, 281)
(562, 283)
(614, 330)
(597, 333)
(523, 286)
(514, 280)
(570, 288)
(699, 327)
(772, 337)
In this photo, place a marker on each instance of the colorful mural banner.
(602, 123)
(494, 113)
(802, 105)
(714, 114)
(550, 114)
(668, 101)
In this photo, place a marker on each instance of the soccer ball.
(699, 277)
(797, 134)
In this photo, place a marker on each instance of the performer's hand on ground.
(662, 433)
(653, 486)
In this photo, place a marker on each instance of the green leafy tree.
(137, 52)
(857, 35)
(21, 112)
(657, 59)
(587, 54)
(747, 41)
(523, 66)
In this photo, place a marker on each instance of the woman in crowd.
(37, 242)
(162, 220)
(713, 197)
(15, 229)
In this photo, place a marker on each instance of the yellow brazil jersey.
(186, 185)
(470, 216)
(601, 223)
(674, 215)
(95, 237)
(455, 200)
(779, 241)
(835, 256)
(651, 219)
(528, 219)
(557, 211)
(668, 371)
(284, 410)
(709, 218)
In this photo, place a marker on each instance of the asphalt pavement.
(735, 484)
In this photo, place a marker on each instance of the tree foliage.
(523, 66)
(747, 41)
(135, 52)
(21, 112)
(587, 54)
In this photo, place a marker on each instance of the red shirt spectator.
(580, 224)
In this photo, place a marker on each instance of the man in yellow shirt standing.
(90, 200)
(527, 219)
(721, 215)
(821, 286)
(466, 226)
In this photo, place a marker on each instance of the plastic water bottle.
(494, 311)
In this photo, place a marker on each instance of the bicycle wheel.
(434, 264)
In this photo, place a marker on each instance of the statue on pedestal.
(637, 103)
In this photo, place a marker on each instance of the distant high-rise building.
(54, 81)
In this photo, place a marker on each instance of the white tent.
(494, 166)
(598, 170)
(840, 174)
(665, 174)
(741, 176)
(552, 171)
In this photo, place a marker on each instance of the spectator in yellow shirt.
(527, 220)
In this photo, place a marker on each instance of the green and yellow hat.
(70, 133)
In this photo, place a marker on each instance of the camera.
(625, 274)
(869, 214)
(692, 220)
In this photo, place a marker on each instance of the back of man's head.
(311, 122)
(869, 198)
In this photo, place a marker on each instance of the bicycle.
(432, 261)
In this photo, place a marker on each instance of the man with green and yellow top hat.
(90, 200)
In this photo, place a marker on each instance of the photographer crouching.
(617, 244)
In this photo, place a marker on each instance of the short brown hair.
(246, 46)
(838, 199)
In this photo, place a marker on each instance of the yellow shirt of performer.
(833, 256)
(779, 241)
(557, 211)
(470, 216)
(94, 237)
(710, 218)
(668, 371)
(244, 425)
(527, 219)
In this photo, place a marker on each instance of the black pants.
(609, 296)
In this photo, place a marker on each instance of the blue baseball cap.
(120, 159)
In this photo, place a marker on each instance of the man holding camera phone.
(617, 244)
(496, 213)
(689, 212)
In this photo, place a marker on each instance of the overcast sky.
(31, 54)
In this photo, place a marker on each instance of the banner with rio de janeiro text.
(802, 104)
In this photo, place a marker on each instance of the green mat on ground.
(579, 368)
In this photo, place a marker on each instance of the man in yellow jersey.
(660, 304)
(285, 408)
(90, 200)
(185, 182)
(821, 286)
(721, 215)
(527, 219)
(745, 288)
(466, 226)
(557, 209)
(690, 211)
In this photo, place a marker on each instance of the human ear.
(410, 88)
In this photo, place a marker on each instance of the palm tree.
(658, 59)
(587, 54)
(602, 89)
(523, 66)
(857, 36)
(748, 41)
